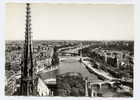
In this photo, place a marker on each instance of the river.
(73, 65)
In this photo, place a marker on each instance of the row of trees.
(55, 58)
(70, 85)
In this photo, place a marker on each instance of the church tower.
(28, 75)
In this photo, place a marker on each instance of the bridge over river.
(72, 64)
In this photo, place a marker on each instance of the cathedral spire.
(27, 70)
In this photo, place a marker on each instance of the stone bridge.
(68, 58)
(100, 84)
(110, 83)
(48, 69)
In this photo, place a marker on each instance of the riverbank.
(98, 72)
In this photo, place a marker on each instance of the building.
(42, 88)
(28, 85)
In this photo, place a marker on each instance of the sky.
(71, 21)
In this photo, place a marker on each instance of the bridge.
(100, 84)
(97, 86)
(73, 48)
(65, 58)
(48, 69)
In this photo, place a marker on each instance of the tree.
(55, 59)
(70, 84)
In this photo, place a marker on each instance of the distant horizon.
(71, 40)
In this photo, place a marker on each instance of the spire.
(27, 70)
(28, 24)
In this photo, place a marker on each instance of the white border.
(137, 48)
(77, 1)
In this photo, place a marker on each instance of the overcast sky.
(72, 21)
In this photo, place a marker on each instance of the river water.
(76, 66)
(72, 65)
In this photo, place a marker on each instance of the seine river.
(76, 66)
(72, 65)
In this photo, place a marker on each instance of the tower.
(28, 77)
